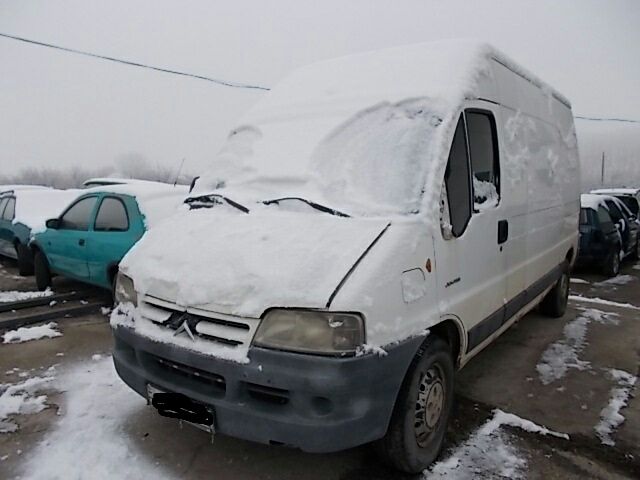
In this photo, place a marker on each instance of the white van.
(374, 223)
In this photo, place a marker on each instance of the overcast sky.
(62, 109)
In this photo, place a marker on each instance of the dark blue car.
(608, 233)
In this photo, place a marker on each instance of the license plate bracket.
(181, 407)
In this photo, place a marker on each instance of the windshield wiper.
(315, 205)
(208, 201)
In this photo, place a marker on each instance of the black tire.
(612, 263)
(636, 253)
(42, 272)
(555, 302)
(415, 437)
(25, 260)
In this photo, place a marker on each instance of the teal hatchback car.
(88, 240)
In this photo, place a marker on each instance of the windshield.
(371, 163)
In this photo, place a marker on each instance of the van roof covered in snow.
(331, 130)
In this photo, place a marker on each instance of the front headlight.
(125, 292)
(311, 331)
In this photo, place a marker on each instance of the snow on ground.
(17, 296)
(20, 399)
(562, 355)
(610, 416)
(578, 280)
(25, 334)
(89, 438)
(489, 452)
(602, 301)
(614, 281)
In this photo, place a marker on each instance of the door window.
(456, 179)
(112, 216)
(10, 209)
(77, 217)
(3, 203)
(604, 219)
(485, 165)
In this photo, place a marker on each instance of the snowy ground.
(550, 399)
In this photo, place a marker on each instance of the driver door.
(66, 246)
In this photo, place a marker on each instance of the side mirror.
(193, 183)
(53, 223)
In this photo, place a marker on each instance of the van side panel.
(542, 178)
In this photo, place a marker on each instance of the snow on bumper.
(315, 403)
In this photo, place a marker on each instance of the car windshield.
(373, 163)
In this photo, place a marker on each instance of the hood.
(242, 264)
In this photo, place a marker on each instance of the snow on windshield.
(374, 164)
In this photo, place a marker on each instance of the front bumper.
(318, 404)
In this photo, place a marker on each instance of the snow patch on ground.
(95, 413)
(25, 334)
(602, 301)
(578, 280)
(610, 416)
(17, 296)
(489, 453)
(562, 355)
(619, 280)
(20, 399)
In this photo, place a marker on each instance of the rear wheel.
(636, 254)
(419, 421)
(555, 302)
(43, 274)
(25, 260)
(612, 263)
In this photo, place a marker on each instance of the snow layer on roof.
(354, 131)
(617, 191)
(588, 200)
(35, 206)
(8, 188)
(156, 200)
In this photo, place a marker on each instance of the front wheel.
(43, 274)
(419, 421)
(555, 302)
(612, 263)
(25, 260)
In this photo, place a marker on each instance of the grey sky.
(62, 109)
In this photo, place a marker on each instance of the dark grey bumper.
(318, 404)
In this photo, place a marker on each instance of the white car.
(370, 226)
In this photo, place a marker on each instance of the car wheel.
(43, 274)
(555, 302)
(636, 254)
(612, 264)
(25, 260)
(419, 421)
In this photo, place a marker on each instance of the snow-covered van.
(372, 224)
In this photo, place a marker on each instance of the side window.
(10, 210)
(604, 219)
(112, 216)
(485, 163)
(77, 217)
(614, 212)
(456, 179)
(3, 203)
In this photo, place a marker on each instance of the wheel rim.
(429, 404)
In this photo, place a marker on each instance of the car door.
(4, 228)
(66, 246)
(470, 261)
(622, 225)
(118, 225)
